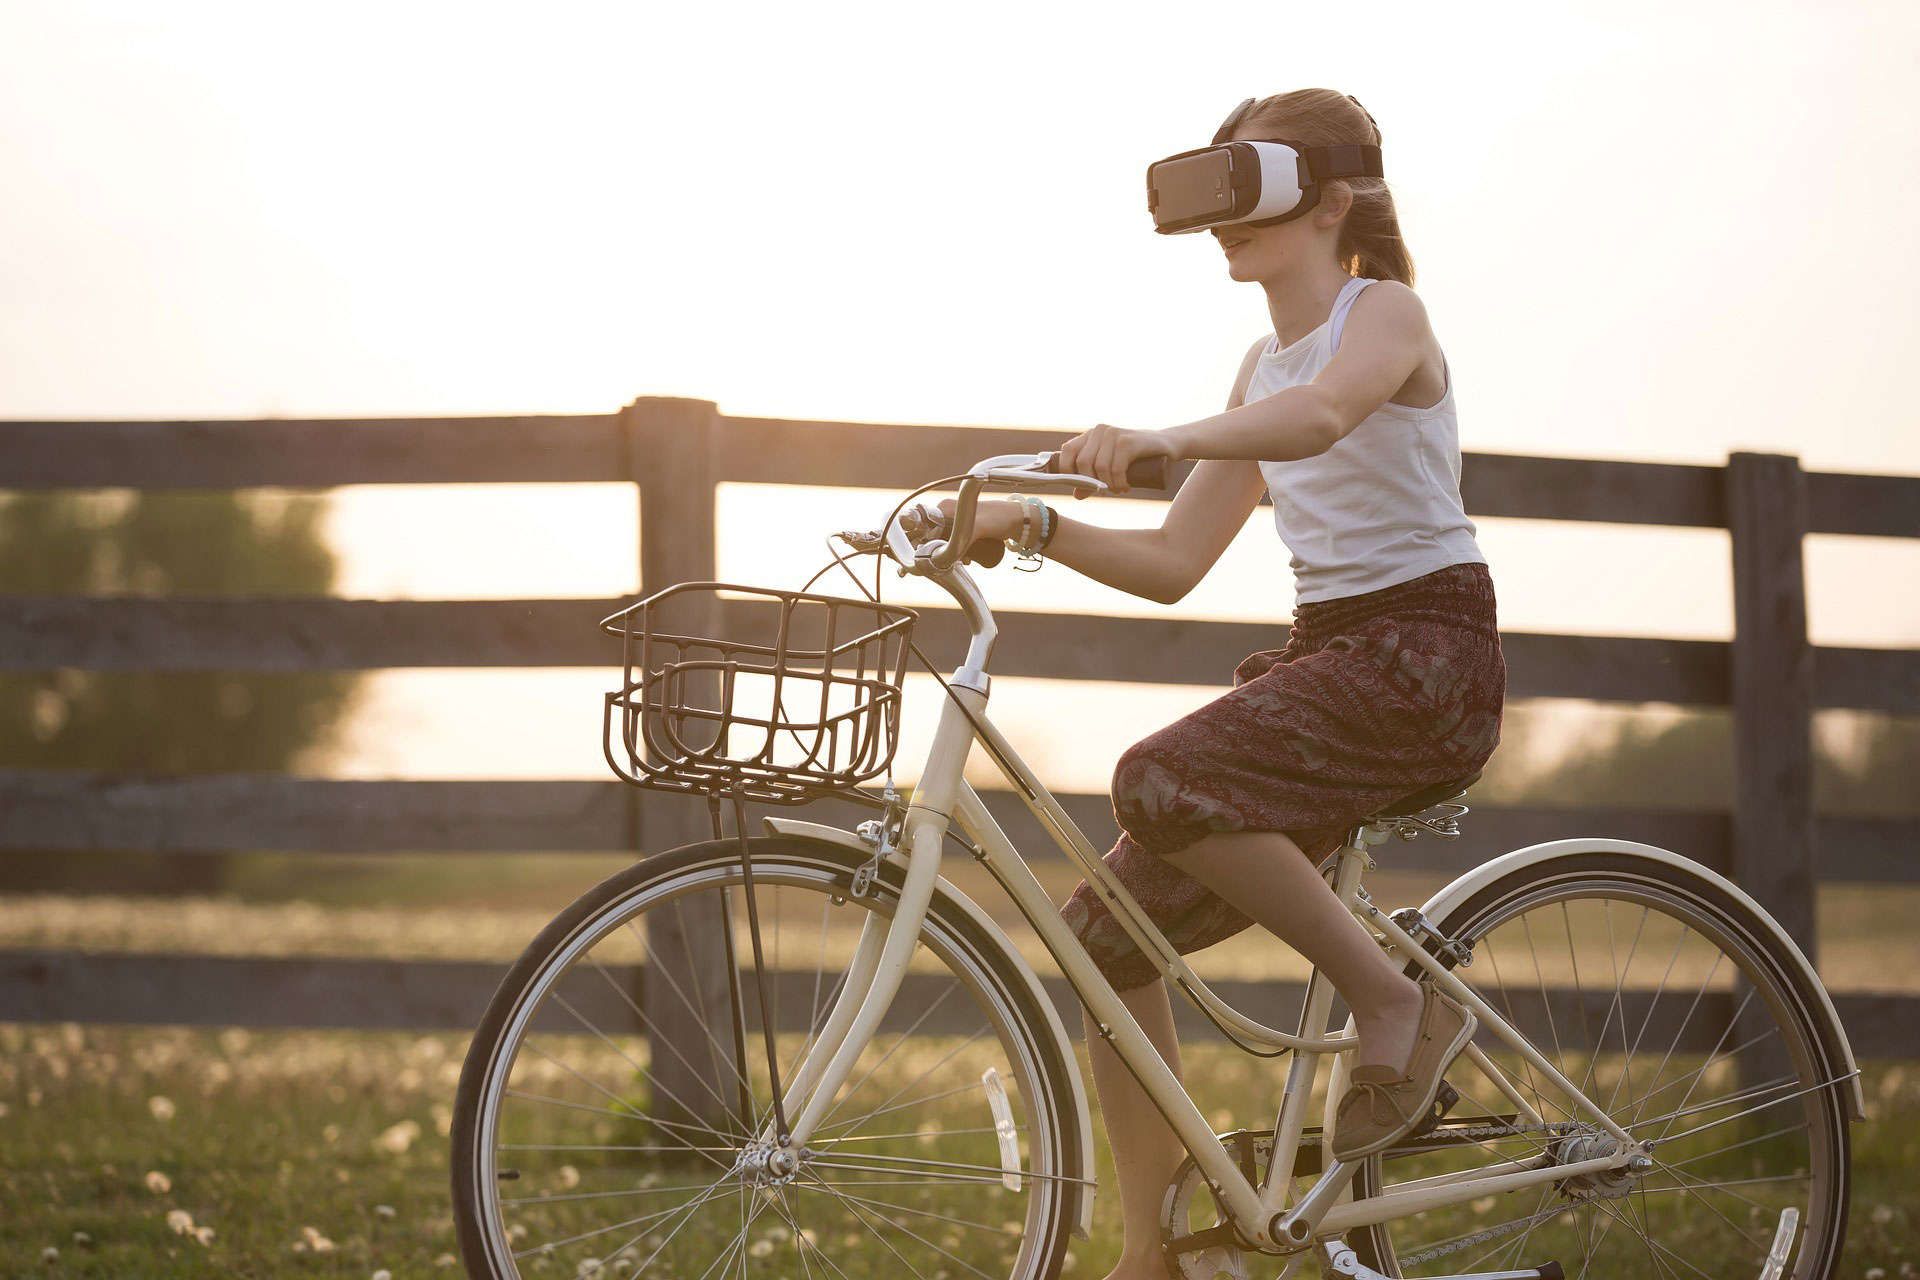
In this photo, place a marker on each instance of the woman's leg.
(1145, 1152)
(1265, 875)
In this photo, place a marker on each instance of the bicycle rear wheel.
(1675, 1009)
(610, 1101)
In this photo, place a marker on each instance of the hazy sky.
(1644, 230)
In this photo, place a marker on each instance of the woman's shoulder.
(1245, 376)
(1389, 299)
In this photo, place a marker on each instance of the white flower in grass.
(82, 1239)
(568, 1177)
(315, 1241)
(386, 1211)
(161, 1107)
(158, 1182)
(1882, 1214)
(50, 1254)
(204, 1235)
(383, 1274)
(398, 1137)
(760, 1248)
(588, 1267)
(446, 1260)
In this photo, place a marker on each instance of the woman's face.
(1262, 253)
(1272, 253)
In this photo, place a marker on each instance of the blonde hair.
(1370, 243)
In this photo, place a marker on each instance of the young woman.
(1391, 680)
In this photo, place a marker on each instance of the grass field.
(135, 1152)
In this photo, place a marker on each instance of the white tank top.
(1382, 506)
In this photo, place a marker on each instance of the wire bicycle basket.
(803, 701)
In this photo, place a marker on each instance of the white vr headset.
(1258, 183)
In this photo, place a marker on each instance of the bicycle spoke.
(857, 1213)
(885, 1108)
(1655, 1051)
(908, 1231)
(891, 1050)
(906, 1158)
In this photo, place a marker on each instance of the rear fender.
(1443, 903)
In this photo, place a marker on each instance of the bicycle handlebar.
(1029, 471)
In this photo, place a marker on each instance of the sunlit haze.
(1644, 230)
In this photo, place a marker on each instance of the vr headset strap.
(1343, 160)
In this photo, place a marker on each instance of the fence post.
(671, 444)
(1773, 852)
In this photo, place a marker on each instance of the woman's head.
(1357, 212)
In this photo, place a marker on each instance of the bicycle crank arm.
(1342, 1261)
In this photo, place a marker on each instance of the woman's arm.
(1159, 564)
(1164, 564)
(1386, 340)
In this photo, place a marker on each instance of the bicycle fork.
(880, 958)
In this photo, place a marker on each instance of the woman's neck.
(1300, 306)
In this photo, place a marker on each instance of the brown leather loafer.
(1382, 1105)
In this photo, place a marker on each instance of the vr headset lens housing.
(1261, 183)
(1234, 182)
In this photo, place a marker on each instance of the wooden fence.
(675, 451)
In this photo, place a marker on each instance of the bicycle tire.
(842, 1212)
(1697, 1212)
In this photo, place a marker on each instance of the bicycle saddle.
(1425, 798)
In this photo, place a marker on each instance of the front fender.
(796, 830)
(1443, 903)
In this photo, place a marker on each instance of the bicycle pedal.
(1442, 1103)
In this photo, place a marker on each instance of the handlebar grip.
(1145, 473)
(985, 551)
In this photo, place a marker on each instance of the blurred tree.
(120, 542)
(1687, 763)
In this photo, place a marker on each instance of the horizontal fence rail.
(324, 453)
(675, 452)
(179, 634)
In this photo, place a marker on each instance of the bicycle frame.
(1260, 1212)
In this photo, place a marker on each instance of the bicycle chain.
(1505, 1228)
(1491, 1233)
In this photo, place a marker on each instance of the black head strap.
(1225, 132)
(1343, 160)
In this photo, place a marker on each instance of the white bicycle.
(806, 1054)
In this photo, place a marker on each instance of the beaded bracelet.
(1033, 519)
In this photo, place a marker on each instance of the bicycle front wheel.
(1679, 1013)
(610, 1110)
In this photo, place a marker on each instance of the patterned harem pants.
(1374, 697)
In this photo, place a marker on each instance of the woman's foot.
(1387, 1027)
(1385, 1103)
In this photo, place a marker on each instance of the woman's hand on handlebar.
(994, 520)
(1106, 452)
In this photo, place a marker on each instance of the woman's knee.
(1147, 775)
